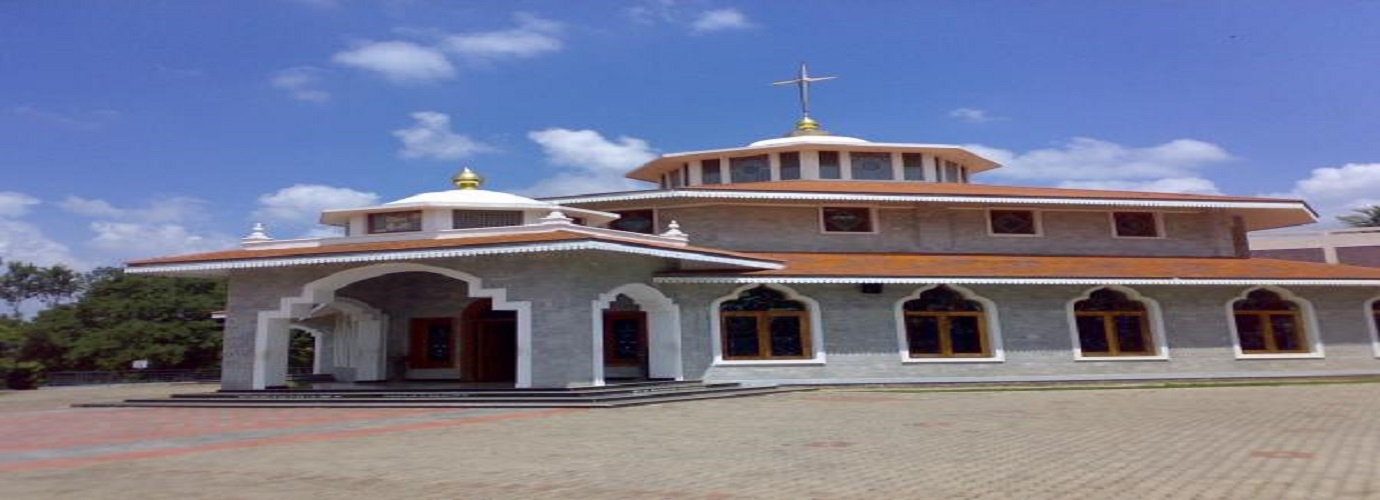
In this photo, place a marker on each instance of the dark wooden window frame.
(1109, 327)
(1264, 319)
(763, 319)
(946, 334)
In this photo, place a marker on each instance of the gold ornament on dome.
(467, 179)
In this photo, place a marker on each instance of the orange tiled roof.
(423, 244)
(1044, 266)
(956, 189)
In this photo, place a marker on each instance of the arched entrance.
(637, 335)
(272, 329)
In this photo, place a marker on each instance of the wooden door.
(492, 337)
(432, 343)
(625, 344)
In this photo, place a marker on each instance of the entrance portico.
(359, 332)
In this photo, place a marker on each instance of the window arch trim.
(1372, 312)
(990, 317)
(1308, 319)
(816, 327)
(1154, 320)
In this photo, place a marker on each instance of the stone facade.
(862, 345)
(928, 228)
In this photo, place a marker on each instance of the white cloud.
(123, 240)
(302, 204)
(970, 115)
(163, 226)
(25, 242)
(1190, 185)
(1085, 159)
(532, 37)
(171, 209)
(1334, 191)
(431, 137)
(599, 163)
(15, 204)
(654, 11)
(301, 83)
(399, 61)
(720, 20)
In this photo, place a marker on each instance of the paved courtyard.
(1294, 441)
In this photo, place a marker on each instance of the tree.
(164, 320)
(19, 283)
(122, 318)
(1364, 217)
(57, 284)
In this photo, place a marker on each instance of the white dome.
(809, 139)
(472, 197)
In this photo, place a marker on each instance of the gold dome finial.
(807, 126)
(467, 179)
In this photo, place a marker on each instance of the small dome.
(472, 197)
(809, 139)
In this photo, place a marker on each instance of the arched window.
(763, 324)
(1111, 324)
(942, 323)
(1267, 324)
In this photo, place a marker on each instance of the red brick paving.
(90, 427)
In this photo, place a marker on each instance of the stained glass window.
(636, 221)
(1112, 324)
(710, 173)
(790, 166)
(829, 166)
(395, 222)
(913, 166)
(750, 169)
(846, 219)
(872, 166)
(1267, 323)
(1135, 224)
(763, 324)
(1020, 222)
(942, 323)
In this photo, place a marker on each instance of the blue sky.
(140, 128)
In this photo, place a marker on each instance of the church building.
(806, 259)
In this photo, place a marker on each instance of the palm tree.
(1365, 217)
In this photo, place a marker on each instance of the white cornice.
(849, 280)
(922, 198)
(437, 253)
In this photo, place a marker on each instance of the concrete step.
(605, 401)
(636, 388)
